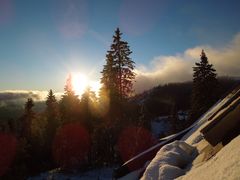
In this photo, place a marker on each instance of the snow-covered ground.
(160, 126)
(100, 174)
(182, 115)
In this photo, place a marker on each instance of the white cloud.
(21, 96)
(178, 68)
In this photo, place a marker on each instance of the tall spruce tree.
(117, 80)
(117, 75)
(205, 85)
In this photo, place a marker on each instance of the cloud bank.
(20, 96)
(178, 68)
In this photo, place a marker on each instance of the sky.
(41, 42)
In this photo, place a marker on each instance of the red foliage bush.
(8, 145)
(134, 140)
(71, 146)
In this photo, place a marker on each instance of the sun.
(80, 82)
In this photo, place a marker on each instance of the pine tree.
(27, 118)
(117, 74)
(50, 98)
(69, 87)
(69, 104)
(52, 115)
(205, 85)
(117, 80)
(29, 105)
(109, 77)
(88, 100)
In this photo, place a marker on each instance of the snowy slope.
(225, 165)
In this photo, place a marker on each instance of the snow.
(225, 165)
(100, 174)
(160, 126)
(132, 176)
(169, 161)
(194, 135)
(174, 159)
(182, 115)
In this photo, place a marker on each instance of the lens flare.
(71, 146)
(130, 142)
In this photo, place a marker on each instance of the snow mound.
(169, 161)
(225, 165)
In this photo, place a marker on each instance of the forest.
(80, 133)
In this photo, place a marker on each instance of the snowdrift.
(169, 161)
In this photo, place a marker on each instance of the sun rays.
(81, 82)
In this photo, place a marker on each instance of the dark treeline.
(84, 132)
(160, 100)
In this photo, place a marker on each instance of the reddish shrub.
(134, 140)
(8, 145)
(71, 146)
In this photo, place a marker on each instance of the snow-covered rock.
(169, 161)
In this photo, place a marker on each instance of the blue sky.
(42, 41)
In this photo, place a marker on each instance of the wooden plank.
(221, 126)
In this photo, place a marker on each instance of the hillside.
(164, 99)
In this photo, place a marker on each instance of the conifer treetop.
(118, 75)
